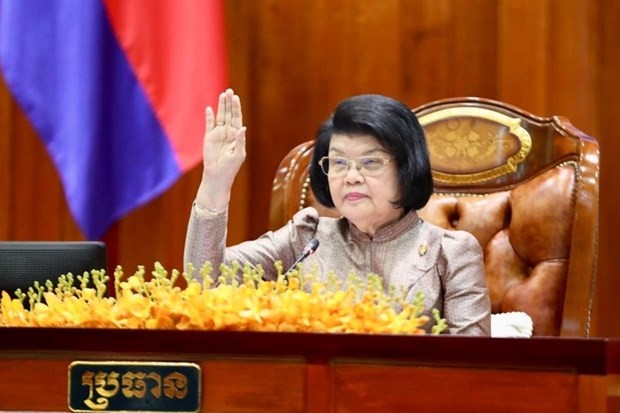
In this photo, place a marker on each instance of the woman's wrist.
(203, 210)
(213, 196)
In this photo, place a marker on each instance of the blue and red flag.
(116, 90)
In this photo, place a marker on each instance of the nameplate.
(134, 387)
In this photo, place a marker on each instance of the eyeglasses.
(337, 166)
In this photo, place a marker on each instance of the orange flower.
(241, 300)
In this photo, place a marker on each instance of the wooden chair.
(525, 186)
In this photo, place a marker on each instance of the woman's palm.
(224, 142)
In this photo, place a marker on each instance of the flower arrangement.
(240, 300)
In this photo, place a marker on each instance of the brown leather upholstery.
(526, 187)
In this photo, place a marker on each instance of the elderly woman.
(371, 163)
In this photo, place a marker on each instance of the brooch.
(422, 248)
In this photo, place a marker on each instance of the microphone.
(309, 249)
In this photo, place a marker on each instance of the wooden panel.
(572, 68)
(238, 386)
(425, 47)
(38, 202)
(33, 203)
(288, 372)
(522, 53)
(227, 386)
(318, 389)
(360, 388)
(593, 394)
(613, 392)
(608, 109)
(439, 40)
(31, 382)
(471, 43)
(278, 386)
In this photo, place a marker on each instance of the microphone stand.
(309, 249)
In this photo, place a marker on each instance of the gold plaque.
(117, 386)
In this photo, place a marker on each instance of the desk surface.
(593, 356)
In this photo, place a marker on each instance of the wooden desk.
(286, 372)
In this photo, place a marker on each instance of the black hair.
(398, 131)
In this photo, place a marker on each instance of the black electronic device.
(24, 262)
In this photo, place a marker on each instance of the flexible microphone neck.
(308, 250)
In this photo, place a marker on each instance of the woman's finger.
(237, 116)
(241, 140)
(209, 119)
(221, 110)
(228, 112)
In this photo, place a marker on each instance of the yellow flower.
(241, 300)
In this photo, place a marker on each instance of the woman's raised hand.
(224, 142)
(223, 150)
